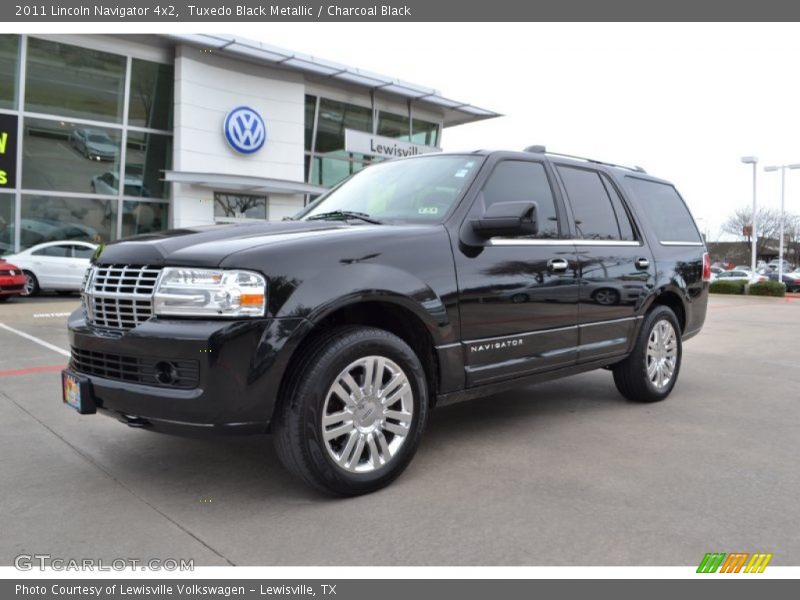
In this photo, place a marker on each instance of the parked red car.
(11, 280)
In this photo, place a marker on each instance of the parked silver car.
(94, 144)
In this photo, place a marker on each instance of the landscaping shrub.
(768, 288)
(726, 287)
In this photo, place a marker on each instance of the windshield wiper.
(343, 215)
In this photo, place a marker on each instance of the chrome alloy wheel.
(662, 354)
(29, 286)
(367, 414)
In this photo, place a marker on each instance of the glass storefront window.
(424, 132)
(151, 95)
(394, 126)
(69, 157)
(6, 224)
(52, 218)
(74, 82)
(334, 118)
(146, 157)
(9, 70)
(239, 206)
(330, 171)
(311, 108)
(143, 217)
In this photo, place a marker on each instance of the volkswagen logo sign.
(245, 130)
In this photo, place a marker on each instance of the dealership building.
(107, 136)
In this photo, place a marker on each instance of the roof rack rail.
(542, 150)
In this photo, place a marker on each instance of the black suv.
(415, 283)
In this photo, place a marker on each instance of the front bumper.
(11, 284)
(239, 366)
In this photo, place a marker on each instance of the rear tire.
(650, 372)
(31, 285)
(353, 413)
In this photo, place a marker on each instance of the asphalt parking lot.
(562, 473)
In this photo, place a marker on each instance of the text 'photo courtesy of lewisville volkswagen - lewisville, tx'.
(263, 306)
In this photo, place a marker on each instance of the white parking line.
(36, 340)
(50, 315)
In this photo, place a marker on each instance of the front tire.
(650, 372)
(31, 285)
(353, 413)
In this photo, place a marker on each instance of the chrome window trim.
(500, 338)
(560, 242)
(671, 243)
(593, 323)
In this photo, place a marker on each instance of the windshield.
(100, 138)
(418, 190)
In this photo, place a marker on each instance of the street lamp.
(753, 160)
(782, 169)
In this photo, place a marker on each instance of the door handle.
(642, 263)
(557, 264)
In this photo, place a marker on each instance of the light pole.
(753, 160)
(782, 169)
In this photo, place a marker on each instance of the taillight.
(706, 267)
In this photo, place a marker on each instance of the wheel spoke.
(332, 434)
(651, 369)
(395, 396)
(395, 428)
(336, 418)
(383, 444)
(342, 459)
(375, 459)
(369, 370)
(377, 375)
(356, 390)
(395, 415)
(357, 452)
(394, 381)
(338, 390)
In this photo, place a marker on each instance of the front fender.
(329, 291)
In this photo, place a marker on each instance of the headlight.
(210, 292)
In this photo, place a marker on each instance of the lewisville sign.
(8, 150)
(386, 147)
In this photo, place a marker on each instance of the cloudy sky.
(684, 101)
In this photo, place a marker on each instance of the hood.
(209, 246)
(102, 147)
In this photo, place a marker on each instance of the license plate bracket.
(76, 392)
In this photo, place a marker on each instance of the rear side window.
(82, 252)
(596, 205)
(521, 181)
(59, 251)
(666, 211)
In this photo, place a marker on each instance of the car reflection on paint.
(605, 293)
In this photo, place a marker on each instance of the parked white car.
(741, 275)
(56, 266)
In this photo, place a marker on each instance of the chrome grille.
(119, 296)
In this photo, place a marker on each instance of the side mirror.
(507, 219)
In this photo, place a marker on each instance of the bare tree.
(768, 223)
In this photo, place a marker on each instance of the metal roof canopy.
(455, 112)
(243, 183)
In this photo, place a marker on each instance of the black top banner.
(206, 11)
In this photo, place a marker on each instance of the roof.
(455, 111)
(243, 183)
